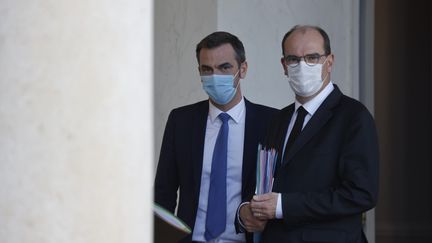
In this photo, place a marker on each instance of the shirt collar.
(235, 112)
(312, 105)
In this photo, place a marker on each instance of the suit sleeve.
(167, 181)
(357, 190)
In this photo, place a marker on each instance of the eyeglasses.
(310, 59)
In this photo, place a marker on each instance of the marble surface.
(76, 111)
(178, 27)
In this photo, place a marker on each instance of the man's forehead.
(307, 40)
(219, 55)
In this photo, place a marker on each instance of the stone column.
(76, 137)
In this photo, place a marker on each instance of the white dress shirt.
(234, 171)
(311, 107)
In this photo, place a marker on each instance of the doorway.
(403, 109)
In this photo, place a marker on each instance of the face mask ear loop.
(326, 72)
(325, 60)
(325, 77)
(234, 78)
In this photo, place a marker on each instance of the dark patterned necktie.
(298, 125)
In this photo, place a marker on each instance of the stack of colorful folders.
(266, 164)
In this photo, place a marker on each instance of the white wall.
(178, 27)
(76, 111)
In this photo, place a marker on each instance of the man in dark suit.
(327, 174)
(187, 159)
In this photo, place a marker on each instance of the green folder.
(168, 227)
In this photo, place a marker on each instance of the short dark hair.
(327, 49)
(219, 38)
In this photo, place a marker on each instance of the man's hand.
(251, 223)
(264, 206)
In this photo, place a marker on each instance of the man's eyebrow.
(224, 65)
(307, 54)
(206, 66)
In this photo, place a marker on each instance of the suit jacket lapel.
(249, 147)
(198, 130)
(317, 121)
(286, 117)
(275, 137)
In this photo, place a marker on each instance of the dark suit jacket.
(181, 156)
(330, 176)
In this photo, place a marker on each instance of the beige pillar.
(76, 150)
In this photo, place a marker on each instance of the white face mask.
(305, 80)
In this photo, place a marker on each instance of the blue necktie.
(216, 206)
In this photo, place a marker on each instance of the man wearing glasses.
(327, 174)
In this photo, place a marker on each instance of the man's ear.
(243, 70)
(330, 63)
(284, 66)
